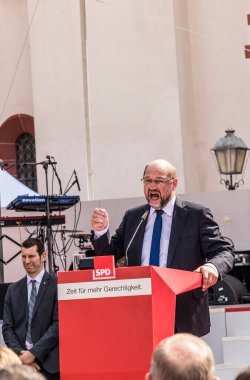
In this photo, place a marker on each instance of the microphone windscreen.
(144, 216)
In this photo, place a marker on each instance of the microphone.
(143, 218)
(77, 182)
(7, 165)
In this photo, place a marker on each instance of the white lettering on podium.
(102, 272)
(105, 289)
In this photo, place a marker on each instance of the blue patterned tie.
(31, 308)
(156, 238)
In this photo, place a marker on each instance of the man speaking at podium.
(173, 233)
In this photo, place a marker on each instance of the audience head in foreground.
(244, 375)
(20, 372)
(182, 357)
(8, 357)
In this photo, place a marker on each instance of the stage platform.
(229, 339)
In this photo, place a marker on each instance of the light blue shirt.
(167, 217)
(38, 279)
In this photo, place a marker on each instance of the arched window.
(15, 127)
(26, 152)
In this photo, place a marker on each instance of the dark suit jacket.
(194, 240)
(44, 325)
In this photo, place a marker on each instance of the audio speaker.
(229, 291)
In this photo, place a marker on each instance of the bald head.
(182, 357)
(165, 166)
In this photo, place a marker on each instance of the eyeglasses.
(157, 181)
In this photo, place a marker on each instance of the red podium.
(109, 327)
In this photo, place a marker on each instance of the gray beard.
(163, 202)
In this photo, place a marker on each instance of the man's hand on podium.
(209, 276)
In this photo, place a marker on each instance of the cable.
(174, 26)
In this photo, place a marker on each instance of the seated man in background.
(182, 357)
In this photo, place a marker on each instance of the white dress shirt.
(38, 279)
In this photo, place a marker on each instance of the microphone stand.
(53, 164)
(48, 219)
(45, 165)
(1, 235)
(143, 218)
(75, 182)
(72, 184)
(129, 244)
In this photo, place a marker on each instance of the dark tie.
(31, 308)
(156, 238)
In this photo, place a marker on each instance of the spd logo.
(104, 267)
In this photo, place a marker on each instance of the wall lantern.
(231, 154)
